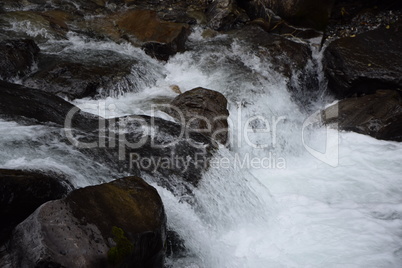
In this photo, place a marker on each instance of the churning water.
(266, 201)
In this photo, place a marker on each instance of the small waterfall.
(267, 202)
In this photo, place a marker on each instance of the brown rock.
(203, 110)
(160, 39)
(17, 57)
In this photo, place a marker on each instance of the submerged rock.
(202, 110)
(366, 62)
(23, 191)
(378, 115)
(121, 223)
(175, 247)
(17, 57)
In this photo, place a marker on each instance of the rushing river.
(298, 195)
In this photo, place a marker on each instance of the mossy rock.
(117, 224)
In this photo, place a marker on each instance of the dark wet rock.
(285, 55)
(121, 223)
(366, 62)
(202, 110)
(378, 115)
(17, 57)
(172, 156)
(305, 13)
(20, 103)
(67, 77)
(175, 247)
(23, 191)
(224, 15)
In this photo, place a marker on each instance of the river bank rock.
(305, 13)
(378, 115)
(17, 57)
(23, 191)
(366, 62)
(202, 110)
(122, 223)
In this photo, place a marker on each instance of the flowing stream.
(266, 201)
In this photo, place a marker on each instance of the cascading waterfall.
(291, 210)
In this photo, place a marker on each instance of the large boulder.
(306, 13)
(23, 191)
(366, 62)
(378, 115)
(17, 57)
(202, 110)
(118, 224)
